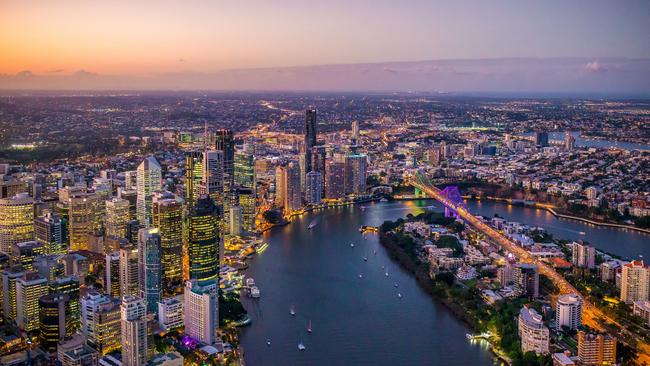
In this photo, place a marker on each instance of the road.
(591, 315)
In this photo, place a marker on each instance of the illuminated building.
(244, 170)
(193, 176)
(68, 286)
(29, 289)
(248, 209)
(75, 353)
(9, 296)
(16, 221)
(526, 279)
(201, 316)
(134, 331)
(354, 177)
(129, 271)
(318, 159)
(569, 141)
(54, 320)
(170, 314)
(642, 309)
(280, 185)
(23, 254)
(596, 349)
(314, 188)
(310, 136)
(203, 243)
(213, 179)
(117, 217)
(635, 282)
(151, 272)
(168, 219)
(100, 322)
(334, 180)
(534, 335)
(568, 311)
(83, 215)
(132, 197)
(50, 230)
(235, 218)
(12, 187)
(131, 180)
(149, 180)
(225, 143)
(355, 131)
(49, 267)
(583, 255)
(293, 192)
(541, 139)
(112, 270)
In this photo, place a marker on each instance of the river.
(586, 142)
(362, 321)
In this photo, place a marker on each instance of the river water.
(586, 142)
(362, 321)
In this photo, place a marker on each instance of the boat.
(309, 327)
(360, 276)
(250, 282)
(362, 208)
(383, 200)
(399, 295)
(374, 252)
(312, 225)
(255, 292)
(292, 311)
(396, 285)
(268, 342)
(383, 267)
(386, 274)
(365, 259)
(351, 245)
(582, 233)
(301, 347)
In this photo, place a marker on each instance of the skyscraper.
(201, 310)
(334, 180)
(355, 131)
(168, 219)
(149, 180)
(100, 322)
(568, 311)
(117, 217)
(193, 176)
(84, 213)
(134, 331)
(235, 219)
(532, 331)
(355, 174)
(213, 176)
(225, 143)
(293, 193)
(541, 139)
(16, 220)
(29, 288)
(635, 282)
(112, 271)
(69, 286)
(280, 185)
(596, 349)
(244, 169)
(129, 271)
(149, 253)
(526, 279)
(314, 188)
(248, 208)
(54, 320)
(583, 255)
(318, 159)
(203, 246)
(569, 141)
(50, 231)
(310, 136)
(9, 296)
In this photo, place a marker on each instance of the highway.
(591, 315)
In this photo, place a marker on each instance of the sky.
(153, 39)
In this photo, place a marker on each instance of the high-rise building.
(23, 254)
(244, 169)
(9, 296)
(235, 219)
(248, 208)
(29, 289)
(117, 217)
(568, 311)
(132, 197)
(318, 159)
(149, 253)
(50, 231)
(68, 286)
(100, 322)
(16, 220)
(293, 192)
(112, 271)
(134, 331)
(170, 314)
(149, 180)
(55, 320)
(82, 355)
(131, 180)
(569, 141)
(635, 282)
(541, 139)
(129, 271)
(84, 215)
(201, 316)
(225, 143)
(203, 245)
(355, 174)
(355, 131)
(280, 185)
(193, 176)
(642, 309)
(314, 188)
(583, 255)
(532, 331)
(334, 180)
(213, 176)
(310, 136)
(168, 219)
(596, 349)
(526, 279)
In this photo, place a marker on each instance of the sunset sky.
(144, 37)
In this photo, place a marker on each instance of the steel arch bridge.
(450, 195)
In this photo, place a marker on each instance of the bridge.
(591, 315)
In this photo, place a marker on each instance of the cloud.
(84, 73)
(55, 71)
(594, 66)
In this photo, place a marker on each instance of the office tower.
(203, 245)
(131, 180)
(170, 314)
(193, 176)
(334, 180)
(129, 271)
(132, 197)
(201, 316)
(49, 267)
(635, 282)
(541, 139)
(583, 255)
(526, 278)
(149, 252)
(54, 320)
(9, 296)
(100, 322)
(355, 174)
(596, 349)
(244, 169)
(29, 288)
(355, 131)
(568, 311)
(23, 254)
(79, 356)
(280, 185)
(50, 231)
(16, 220)
(534, 335)
(12, 187)
(642, 309)
(213, 176)
(68, 286)
(607, 271)
(225, 143)
(310, 136)
(117, 217)
(248, 209)
(112, 271)
(506, 275)
(303, 171)
(293, 193)
(318, 159)
(83, 215)
(134, 331)
(168, 219)
(235, 219)
(314, 188)
(132, 231)
(569, 141)
(149, 180)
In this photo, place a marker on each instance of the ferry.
(250, 282)
(582, 233)
(312, 225)
(292, 311)
(399, 295)
(255, 292)
(365, 259)
(262, 248)
(351, 245)
(309, 327)
(383, 200)
(301, 347)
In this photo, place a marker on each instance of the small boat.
(268, 342)
(351, 245)
(396, 285)
(399, 295)
(582, 233)
(301, 347)
(309, 327)
(386, 274)
(362, 208)
(365, 259)
(383, 267)
(383, 200)
(292, 311)
(374, 252)
(360, 276)
(312, 225)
